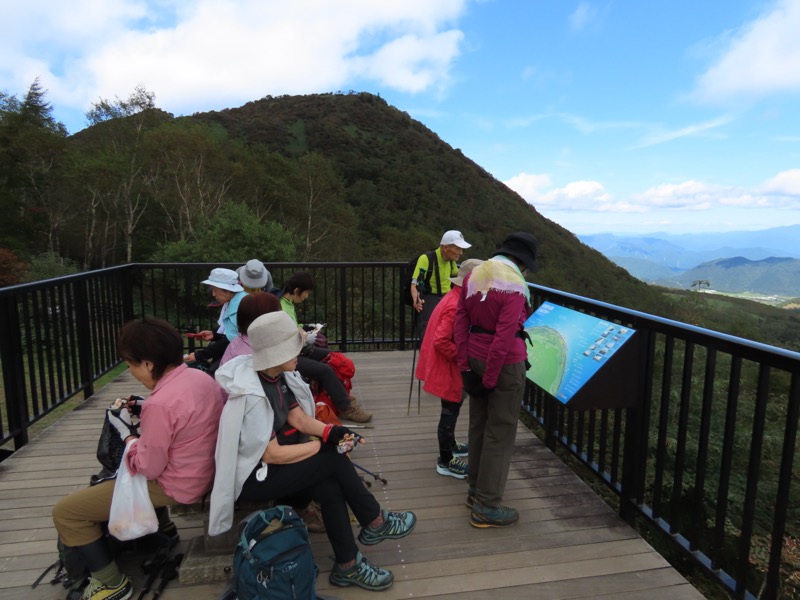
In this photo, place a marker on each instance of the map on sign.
(569, 347)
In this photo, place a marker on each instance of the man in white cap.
(431, 278)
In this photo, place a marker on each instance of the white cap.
(225, 279)
(454, 238)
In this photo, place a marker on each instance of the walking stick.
(415, 341)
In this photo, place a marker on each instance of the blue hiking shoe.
(455, 468)
(363, 574)
(396, 525)
(460, 449)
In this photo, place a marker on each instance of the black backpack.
(423, 286)
(273, 558)
(71, 572)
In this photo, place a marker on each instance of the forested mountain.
(778, 276)
(316, 177)
(325, 177)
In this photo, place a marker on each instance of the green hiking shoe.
(483, 516)
(396, 525)
(363, 574)
(97, 590)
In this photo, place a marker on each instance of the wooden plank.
(568, 543)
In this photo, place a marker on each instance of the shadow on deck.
(568, 543)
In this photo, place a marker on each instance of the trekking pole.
(169, 573)
(368, 472)
(415, 342)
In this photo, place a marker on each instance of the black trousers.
(329, 478)
(310, 367)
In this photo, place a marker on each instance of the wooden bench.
(209, 559)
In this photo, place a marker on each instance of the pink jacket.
(179, 434)
(503, 313)
(437, 356)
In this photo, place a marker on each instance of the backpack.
(71, 572)
(273, 558)
(423, 286)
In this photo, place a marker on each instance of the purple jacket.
(503, 313)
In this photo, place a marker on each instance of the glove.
(120, 419)
(473, 384)
(334, 434)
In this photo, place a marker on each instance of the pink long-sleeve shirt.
(178, 430)
(503, 313)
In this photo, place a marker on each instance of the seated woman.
(254, 276)
(264, 452)
(226, 289)
(251, 307)
(174, 450)
(310, 362)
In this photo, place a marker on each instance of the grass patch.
(54, 415)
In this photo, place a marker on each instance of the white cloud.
(780, 192)
(197, 55)
(785, 183)
(577, 195)
(581, 16)
(529, 185)
(695, 130)
(762, 58)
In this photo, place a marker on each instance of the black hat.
(522, 246)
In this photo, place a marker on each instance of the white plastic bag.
(132, 513)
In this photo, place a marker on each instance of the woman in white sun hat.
(265, 451)
(226, 290)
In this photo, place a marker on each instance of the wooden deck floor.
(568, 543)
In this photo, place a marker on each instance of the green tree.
(233, 234)
(104, 110)
(121, 177)
(33, 159)
(48, 265)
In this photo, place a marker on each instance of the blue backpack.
(273, 558)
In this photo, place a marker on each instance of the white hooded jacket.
(245, 429)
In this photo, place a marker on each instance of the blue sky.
(610, 116)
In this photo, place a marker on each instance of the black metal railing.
(708, 453)
(705, 455)
(59, 336)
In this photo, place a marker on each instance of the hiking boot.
(97, 590)
(455, 468)
(483, 516)
(363, 574)
(355, 413)
(460, 449)
(396, 525)
(312, 518)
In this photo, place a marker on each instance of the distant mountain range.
(764, 261)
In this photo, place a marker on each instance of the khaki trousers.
(493, 431)
(79, 517)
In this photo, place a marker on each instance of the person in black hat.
(491, 353)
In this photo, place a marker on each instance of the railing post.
(13, 371)
(83, 331)
(125, 280)
(636, 441)
(343, 308)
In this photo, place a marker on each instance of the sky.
(608, 116)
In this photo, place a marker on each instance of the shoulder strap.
(434, 262)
